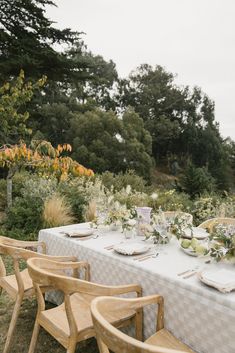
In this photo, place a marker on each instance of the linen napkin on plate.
(79, 233)
(130, 248)
(223, 280)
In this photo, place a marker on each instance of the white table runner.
(199, 315)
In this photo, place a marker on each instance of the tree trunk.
(10, 175)
(9, 191)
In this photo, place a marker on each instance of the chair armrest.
(37, 244)
(139, 303)
(76, 266)
(22, 243)
(128, 288)
(58, 258)
(61, 263)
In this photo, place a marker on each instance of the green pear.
(200, 249)
(194, 243)
(185, 243)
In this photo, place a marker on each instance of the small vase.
(143, 217)
(129, 234)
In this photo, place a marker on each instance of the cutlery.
(110, 247)
(139, 257)
(148, 257)
(86, 238)
(190, 274)
(187, 271)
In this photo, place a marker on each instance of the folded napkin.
(196, 232)
(223, 280)
(80, 233)
(130, 249)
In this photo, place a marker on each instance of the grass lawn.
(24, 328)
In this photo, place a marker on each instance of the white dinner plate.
(195, 232)
(85, 232)
(131, 248)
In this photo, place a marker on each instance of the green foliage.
(26, 214)
(30, 191)
(196, 181)
(93, 136)
(170, 200)
(122, 180)
(137, 144)
(212, 205)
(14, 96)
(27, 41)
(105, 142)
(18, 182)
(20, 234)
(75, 197)
(84, 94)
(53, 121)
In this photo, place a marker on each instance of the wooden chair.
(171, 215)
(210, 223)
(19, 285)
(110, 338)
(70, 322)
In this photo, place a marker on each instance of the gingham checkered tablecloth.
(200, 316)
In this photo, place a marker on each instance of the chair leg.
(34, 337)
(102, 347)
(139, 325)
(71, 349)
(12, 326)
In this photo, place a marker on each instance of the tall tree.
(28, 40)
(105, 141)
(180, 121)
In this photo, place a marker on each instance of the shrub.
(25, 214)
(122, 180)
(75, 196)
(18, 234)
(170, 200)
(57, 212)
(18, 182)
(209, 206)
(196, 181)
(26, 211)
(131, 197)
(39, 187)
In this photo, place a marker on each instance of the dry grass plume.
(90, 214)
(57, 212)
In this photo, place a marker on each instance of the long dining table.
(199, 315)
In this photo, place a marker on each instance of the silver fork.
(148, 257)
(185, 273)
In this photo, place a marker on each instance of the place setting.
(81, 234)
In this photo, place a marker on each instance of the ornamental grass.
(57, 212)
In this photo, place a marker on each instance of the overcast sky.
(194, 39)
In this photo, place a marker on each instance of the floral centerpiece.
(158, 229)
(178, 225)
(129, 227)
(221, 244)
(117, 215)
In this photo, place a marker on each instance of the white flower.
(128, 189)
(131, 222)
(110, 199)
(154, 196)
